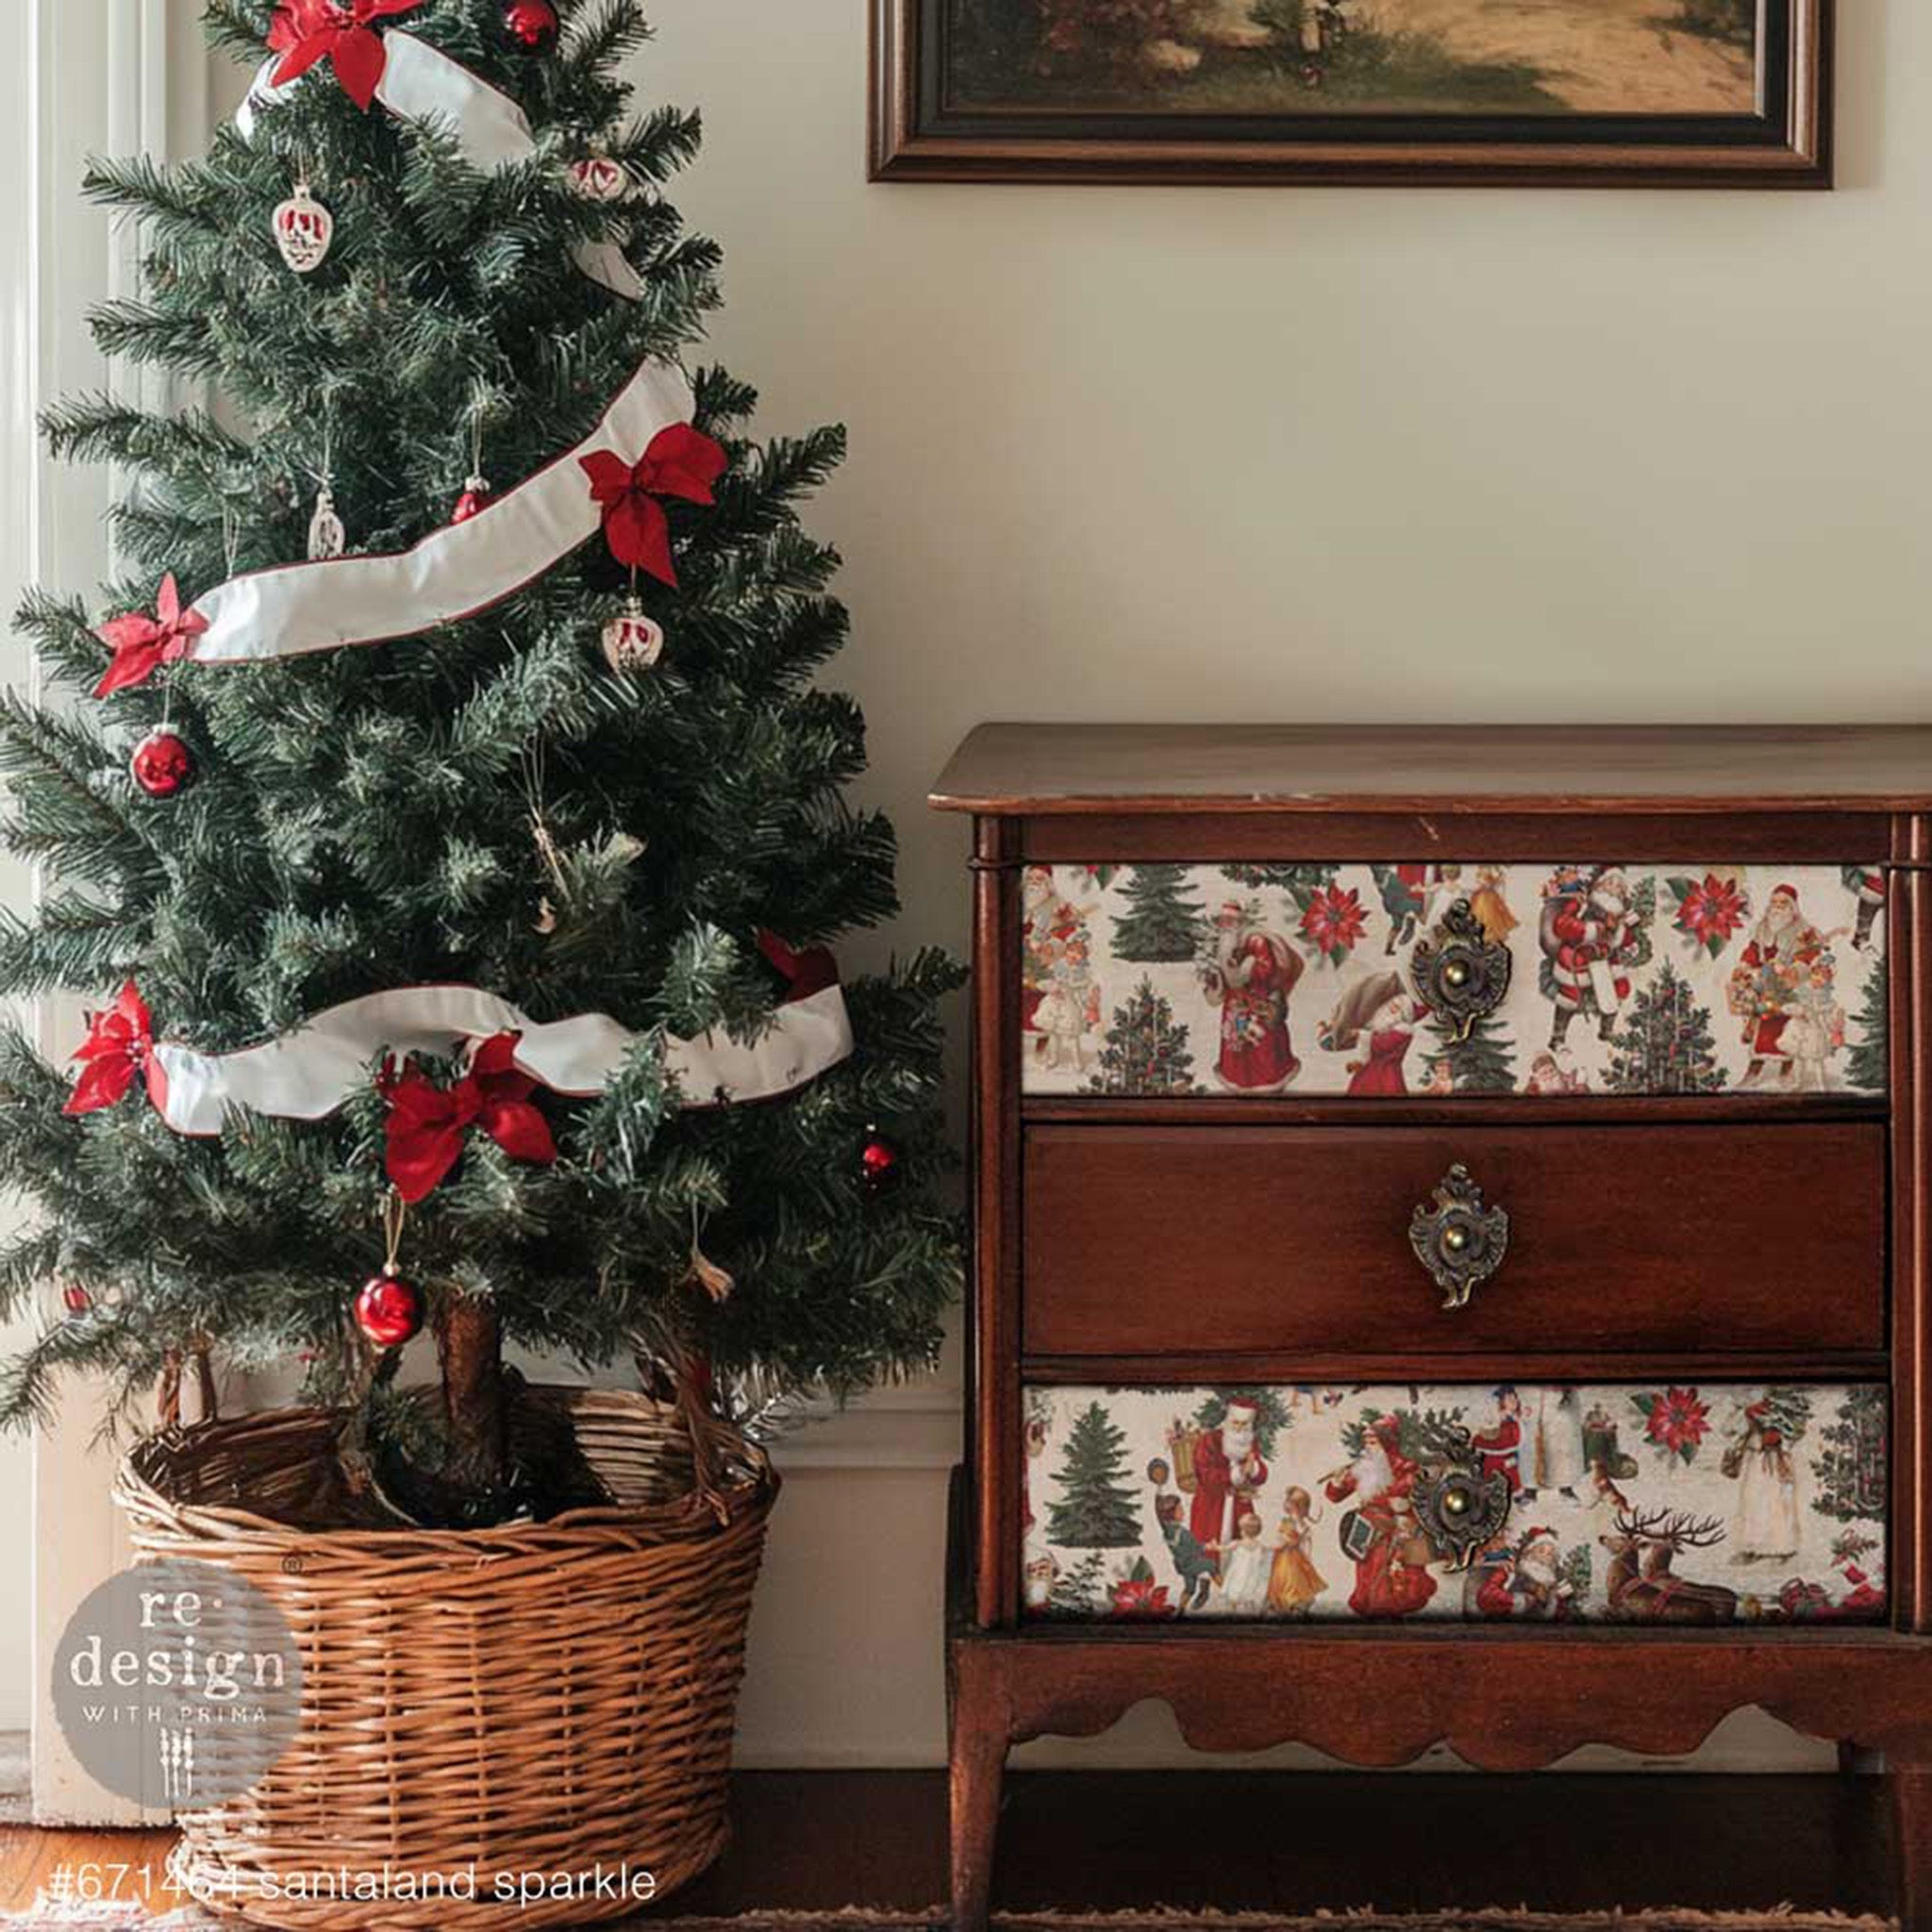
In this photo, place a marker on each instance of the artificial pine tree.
(525, 799)
(1665, 1044)
(1097, 1510)
(1146, 1050)
(1163, 923)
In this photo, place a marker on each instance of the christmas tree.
(557, 845)
(1481, 1063)
(1665, 1044)
(1163, 923)
(1097, 1510)
(1852, 1458)
(1869, 1063)
(1146, 1050)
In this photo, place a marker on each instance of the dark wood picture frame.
(918, 135)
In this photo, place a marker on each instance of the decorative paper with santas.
(1709, 1506)
(1633, 979)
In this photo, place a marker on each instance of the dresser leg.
(1911, 1815)
(978, 1771)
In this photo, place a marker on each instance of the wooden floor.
(1285, 1841)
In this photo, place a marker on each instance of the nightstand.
(1452, 1214)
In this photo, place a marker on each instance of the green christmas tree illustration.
(1665, 1044)
(1163, 923)
(1098, 1512)
(1852, 1450)
(1146, 1050)
(1299, 880)
(1482, 1063)
(1868, 1063)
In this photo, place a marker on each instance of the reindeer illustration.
(1640, 1585)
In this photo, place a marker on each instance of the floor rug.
(122, 1919)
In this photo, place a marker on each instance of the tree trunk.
(468, 1345)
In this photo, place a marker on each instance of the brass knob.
(1460, 1239)
(1458, 1509)
(1459, 973)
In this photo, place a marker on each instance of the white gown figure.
(1768, 1522)
(1552, 1442)
(1245, 1566)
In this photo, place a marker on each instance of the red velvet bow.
(120, 1045)
(805, 973)
(141, 644)
(682, 462)
(306, 31)
(427, 1124)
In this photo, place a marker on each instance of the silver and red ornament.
(532, 26)
(388, 1310)
(597, 177)
(75, 1299)
(304, 230)
(475, 500)
(632, 641)
(878, 1162)
(162, 764)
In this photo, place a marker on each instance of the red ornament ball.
(390, 1310)
(162, 765)
(75, 1299)
(879, 1163)
(532, 25)
(473, 501)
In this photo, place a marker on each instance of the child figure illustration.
(1245, 1565)
(1193, 1564)
(1490, 907)
(1070, 1007)
(1293, 1582)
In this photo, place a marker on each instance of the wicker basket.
(547, 1697)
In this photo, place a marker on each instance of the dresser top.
(1029, 770)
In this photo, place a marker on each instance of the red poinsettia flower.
(120, 1045)
(427, 1125)
(1712, 911)
(1141, 1596)
(340, 31)
(1679, 1420)
(141, 644)
(1334, 919)
(682, 462)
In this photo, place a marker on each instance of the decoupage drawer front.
(1331, 1241)
(1315, 979)
(1719, 1506)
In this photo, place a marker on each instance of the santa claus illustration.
(1501, 1445)
(1381, 1533)
(1250, 976)
(1784, 974)
(1228, 1470)
(1053, 931)
(1526, 1581)
(1591, 938)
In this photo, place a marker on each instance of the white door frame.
(92, 76)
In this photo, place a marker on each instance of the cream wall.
(1277, 454)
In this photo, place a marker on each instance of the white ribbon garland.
(454, 573)
(320, 1066)
(420, 84)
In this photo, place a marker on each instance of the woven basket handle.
(703, 1429)
(168, 1390)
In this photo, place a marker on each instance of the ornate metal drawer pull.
(1460, 1241)
(1459, 973)
(1460, 1509)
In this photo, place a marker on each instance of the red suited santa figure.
(1381, 1533)
(1527, 1581)
(1250, 978)
(1228, 1470)
(1051, 928)
(1591, 937)
(1501, 1445)
(1784, 974)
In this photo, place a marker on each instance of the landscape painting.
(1354, 56)
(1661, 93)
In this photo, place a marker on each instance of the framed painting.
(1669, 92)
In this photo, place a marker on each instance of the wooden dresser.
(1453, 1213)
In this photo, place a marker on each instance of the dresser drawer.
(1715, 1506)
(1178, 1240)
(1635, 978)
